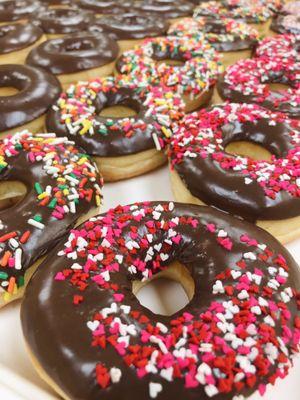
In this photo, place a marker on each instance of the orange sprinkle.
(11, 284)
(5, 259)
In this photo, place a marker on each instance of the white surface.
(18, 380)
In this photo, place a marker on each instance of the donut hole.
(11, 193)
(278, 87)
(8, 91)
(167, 292)
(117, 111)
(248, 149)
(118, 105)
(171, 63)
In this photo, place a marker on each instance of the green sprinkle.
(3, 275)
(52, 203)
(38, 188)
(21, 281)
(38, 218)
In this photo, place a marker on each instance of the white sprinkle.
(235, 274)
(115, 374)
(36, 224)
(167, 374)
(249, 256)
(18, 259)
(162, 327)
(156, 141)
(154, 389)
(93, 325)
(211, 390)
(243, 295)
(222, 233)
(126, 309)
(218, 287)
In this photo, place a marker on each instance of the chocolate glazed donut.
(218, 27)
(63, 20)
(167, 8)
(74, 337)
(14, 10)
(74, 53)
(14, 37)
(286, 24)
(38, 90)
(131, 25)
(62, 185)
(106, 6)
(265, 71)
(235, 190)
(114, 143)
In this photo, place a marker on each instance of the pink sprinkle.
(262, 389)
(118, 297)
(59, 276)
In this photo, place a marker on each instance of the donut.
(251, 12)
(208, 167)
(232, 38)
(101, 7)
(91, 338)
(76, 57)
(193, 72)
(62, 186)
(17, 10)
(286, 47)
(248, 81)
(57, 22)
(168, 9)
(129, 29)
(16, 40)
(26, 93)
(122, 147)
(287, 24)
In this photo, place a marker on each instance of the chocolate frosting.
(132, 25)
(74, 53)
(279, 26)
(13, 10)
(114, 143)
(226, 189)
(238, 43)
(38, 90)
(58, 335)
(167, 8)
(276, 101)
(64, 20)
(14, 37)
(106, 6)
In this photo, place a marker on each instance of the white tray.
(18, 380)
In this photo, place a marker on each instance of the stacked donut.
(104, 88)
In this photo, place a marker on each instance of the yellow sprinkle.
(6, 296)
(42, 196)
(166, 131)
(98, 200)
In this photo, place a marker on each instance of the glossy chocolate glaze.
(238, 43)
(38, 90)
(14, 10)
(57, 335)
(15, 218)
(226, 189)
(14, 37)
(130, 26)
(279, 26)
(166, 8)
(106, 6)
(64, 20)
(283, 105)
(74, 53)
(115, 142)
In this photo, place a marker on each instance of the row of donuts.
(129, 25)
(90, 337)
(266, 192)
